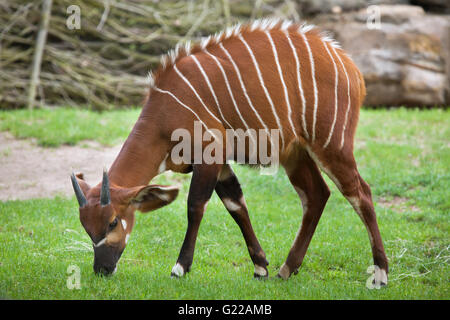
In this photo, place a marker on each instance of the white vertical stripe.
(280, 73)
(186, 107)
(230, 92)
(316, 98)
(195, 92)
(335, 95)
(243, 86)
(261, 80)
(124, 224)
(348, 97)
(205, 76)
(163, 165)
(299, 80)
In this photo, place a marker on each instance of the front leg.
(230, 192)
(203, 182)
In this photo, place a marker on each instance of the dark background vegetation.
(104, 64)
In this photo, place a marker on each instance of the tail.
(360, 94)
(362, 87)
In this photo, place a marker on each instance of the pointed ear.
(152, 197)
(83, 185)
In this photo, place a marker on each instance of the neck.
(139, 159)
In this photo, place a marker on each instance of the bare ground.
(28, 171)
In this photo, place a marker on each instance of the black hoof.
(260, 277)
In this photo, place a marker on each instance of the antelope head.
(107, 215)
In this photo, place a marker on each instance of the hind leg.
(314, 193)
(345, 175)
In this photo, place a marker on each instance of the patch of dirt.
(398, 203)
(28, 171)
(393, 202)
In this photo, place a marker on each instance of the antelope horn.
(78, 192)
(105, 197)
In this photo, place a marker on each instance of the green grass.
(403, 154)
(54, 127)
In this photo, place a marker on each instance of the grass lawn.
(53, 127)
(404, 156)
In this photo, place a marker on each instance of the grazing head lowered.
(268, 76)
(107, 215)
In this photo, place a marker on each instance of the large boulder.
(440, 6)
(405, 58)
(313, 7)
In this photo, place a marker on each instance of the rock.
(439, 6)
(314, 7)
(391, 14)
(404, 56)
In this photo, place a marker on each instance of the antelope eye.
(113, 224)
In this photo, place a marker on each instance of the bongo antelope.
(268, 74)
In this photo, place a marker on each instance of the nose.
(105, 259)
(105, 270)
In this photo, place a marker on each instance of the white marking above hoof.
(378, 278)
(381, 277)
(177, 270)
(284, 272)
(260, 271)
